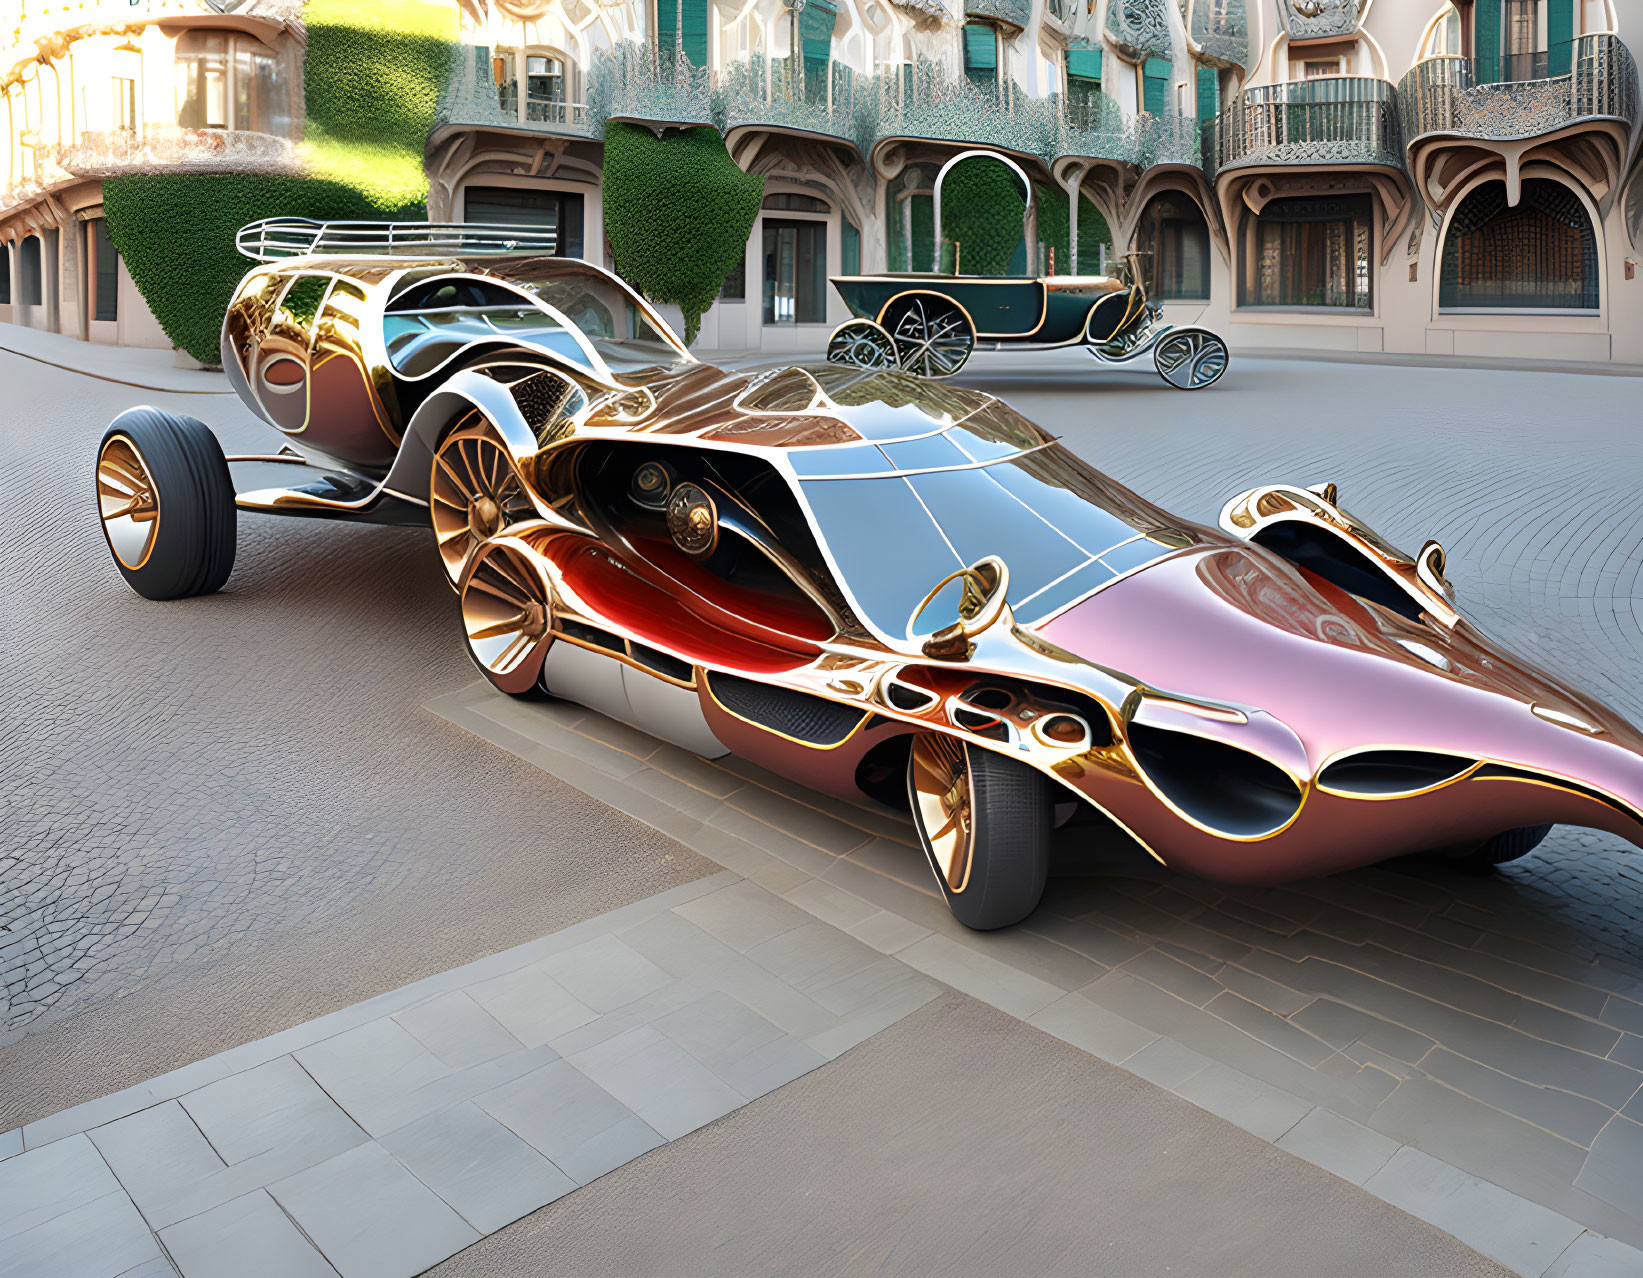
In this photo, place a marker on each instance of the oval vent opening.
(1220, 786)
(1319, 551)
(798, 715)
(1385, 774)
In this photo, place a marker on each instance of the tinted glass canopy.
(897, 517)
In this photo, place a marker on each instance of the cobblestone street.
(231, 815)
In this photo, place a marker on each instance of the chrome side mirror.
(963, 605)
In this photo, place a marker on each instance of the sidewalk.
(136, 366)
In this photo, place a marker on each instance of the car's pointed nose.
(1238, 624)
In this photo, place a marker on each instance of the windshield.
(623, 329)
(898, 517)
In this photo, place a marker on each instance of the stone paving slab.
(1364, 1022)
(377, 1141)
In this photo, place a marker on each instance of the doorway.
(795, 272)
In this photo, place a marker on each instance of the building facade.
(1411, 176)
(99, 88)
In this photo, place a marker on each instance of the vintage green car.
(928, 322)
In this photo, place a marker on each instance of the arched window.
(1541, 255)
(227, 80)
(1443, 37)
(1174, 231)
(29, 267)
(1307, 252)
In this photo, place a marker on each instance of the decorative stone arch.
(1548, 172)
(1251, 189)
(1593, 153)
(458, 155)
(1177, 178)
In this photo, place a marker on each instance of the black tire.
(1009, 840)
(190, 548)
(1510, 846)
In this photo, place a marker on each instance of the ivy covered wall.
(677, 214)
(373, 73)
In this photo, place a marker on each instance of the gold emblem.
(693, 521)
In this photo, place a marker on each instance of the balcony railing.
(921, 100)
(556, 112)
(1220, 29)
(1334, 120)
(160, 147)
(782, 93)
(639, 82)
(1469, 96)
(474, 97)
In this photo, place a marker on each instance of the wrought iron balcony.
(1013, 13)
(1334, 120)
(1482, 98)
(473, 97)
(778, 93)
(167, 147)
(637, 82)
(1094, 127)
(924, 102)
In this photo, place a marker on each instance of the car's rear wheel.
(166, 503)
(474, 492)
(933, 337)
(863, 344)
(507, 616)
(1510, 846)
(984, 821)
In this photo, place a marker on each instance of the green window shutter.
(816, 23)
(1084, 64)
(1209, 94)
(1486, 39)
(981, 55)
(694, 13)
(1560, 36)
(1155, 74)
(849, 247)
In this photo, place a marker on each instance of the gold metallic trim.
(127, 502)
(945, 805)
(1044, 303)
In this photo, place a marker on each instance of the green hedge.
(373, 73)
(677, 214)
(1053, 229)
(982, 207)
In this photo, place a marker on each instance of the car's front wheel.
(166, 503)
(984, 821)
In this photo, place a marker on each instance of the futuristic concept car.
(872, 583)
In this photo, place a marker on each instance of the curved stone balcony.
(634, 82)
(1460, 116)
(1339, 120)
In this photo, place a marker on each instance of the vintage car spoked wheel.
(475, 491)
(166, 503)
(933, 337)
(1190, 358)
(984, 821)
(507, 613)
(862, 343)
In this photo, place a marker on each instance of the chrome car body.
(852, 576)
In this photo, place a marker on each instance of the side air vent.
(812, 720)
(1337, 562)
(593, 636)
(1222, 787)
(1386, 774)
(662, 663)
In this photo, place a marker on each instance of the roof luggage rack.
(279, 237)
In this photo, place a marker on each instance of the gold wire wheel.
(475, 492)
(507, 611)
(127, 502)
(942, 793)
(932, 336)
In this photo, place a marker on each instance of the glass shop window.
(1309, 252)
(850, 247)
(556, 211)
(5, 274)
(795, 272)
(103, 271)
(1174, 232)
(226, 80)
(1541, 255)
(981, 56)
